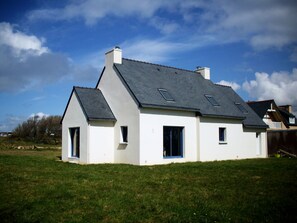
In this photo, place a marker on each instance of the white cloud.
(26, 63)
(261, 23)
(280, 86)
(157, 50)
(39, 115)
(233, 85)
(165, 26)
(93, 10)
(20, 41)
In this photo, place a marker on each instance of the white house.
(145, 114)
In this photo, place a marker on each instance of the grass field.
(36, 187)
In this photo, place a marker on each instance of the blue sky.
(47, 47)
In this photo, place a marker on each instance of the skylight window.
(241, 108)
(211, 99)
(166, 95)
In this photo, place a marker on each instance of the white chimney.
(204, 71)
(113, 56)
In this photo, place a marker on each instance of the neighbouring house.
(282, 131)
(5, 134)
(144, 114)
(276, 117)
(287, 113)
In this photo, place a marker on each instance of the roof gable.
(93, 104)
(261, 107)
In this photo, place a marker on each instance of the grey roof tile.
(251, 117)
(187, 88)
(93, 104)
(261, 107)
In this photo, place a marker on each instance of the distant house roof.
(289, 117)
(157, 86)
(93, 104)
(262, 107)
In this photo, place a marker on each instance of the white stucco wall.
(151, 135)
(74, 117)
(241, 143)
(101, 142)
(126, 112)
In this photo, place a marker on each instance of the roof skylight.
(211, 99)
(166, 95)
(241, 108)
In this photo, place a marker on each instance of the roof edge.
(170, 108)
(256, 126)
(224, 116)
(155, 64)
(67, 106)
(80, 103)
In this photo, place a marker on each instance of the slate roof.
(93, 104)
(261, 107)
(187, 88)
(287, 115)
(251, 117)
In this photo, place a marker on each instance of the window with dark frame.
(75, 142)
(211, 99)
(165, 94)
(222, 135)
(173, 141)
(124, 134)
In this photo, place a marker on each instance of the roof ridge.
(221, 85)
(89, 88)
(160, 65)
(260, 101)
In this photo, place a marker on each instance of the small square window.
(124, 134)
(291, 120)
(222, 135)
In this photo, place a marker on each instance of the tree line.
(38, 129)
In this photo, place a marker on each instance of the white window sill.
(223, 143)
(123, 143)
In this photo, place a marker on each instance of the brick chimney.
(288, 108)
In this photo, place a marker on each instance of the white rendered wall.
(101, 142)
(126, 112)
(74, 117)
(151, 135)
(241, 143)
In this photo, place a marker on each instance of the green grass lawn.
(36, 187)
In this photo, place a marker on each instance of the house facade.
(145, 114)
